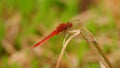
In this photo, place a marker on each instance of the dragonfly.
(60, 28)
(85, 34)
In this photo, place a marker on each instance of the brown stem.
(95, 46)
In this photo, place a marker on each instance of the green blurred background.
(25, 22)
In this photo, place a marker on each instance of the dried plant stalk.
(65, 43)
(95, 47)
(101, 65)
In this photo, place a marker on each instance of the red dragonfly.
(60, 28)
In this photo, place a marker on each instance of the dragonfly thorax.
(63, 27)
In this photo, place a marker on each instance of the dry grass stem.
(76, 32)
(95, 47)
(101, 64)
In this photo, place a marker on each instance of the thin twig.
(95, 46)
(101, 64)
(63, 45)
(76, 32)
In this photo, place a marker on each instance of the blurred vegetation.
(25, 22)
